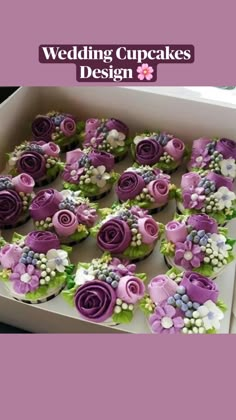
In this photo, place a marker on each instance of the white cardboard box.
(177, 111)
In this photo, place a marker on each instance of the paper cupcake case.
(145, 187)
(160, 150)
(198, 244)
(182, 302)
(211, 194)
(127, 232)
(65, 213)
(89, 171)
(217, 155)
(106, 290)
(40, 160)
(34, 268)
(61, 128)
(107, 135)
(16, 194)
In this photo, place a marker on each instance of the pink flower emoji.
(145, 72)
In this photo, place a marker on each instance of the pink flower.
(10, 255)
(188, 255)
(72, 173)
(145, 72)
(137, 211)
(122, 267)
(194, 198)
(25, 278)
(86, 215)
(165, 320)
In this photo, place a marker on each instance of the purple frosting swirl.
(45, 204)
(148, 152)
(102, 158)
(42, 241)
(42, 128)
(200, 288)
(227, 148)
(10, 207)
(114, 124)
(114, 236)
(32, 163)
(220, 180)
(129, 185)
(203, 222)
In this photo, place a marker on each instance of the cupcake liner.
(170, 264)
(99, 196)
(20, 222)
(47, 180)
(45, 299)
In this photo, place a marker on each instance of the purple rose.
(148, 152)
(176, 231)
(45, 204)
(68, 127)
(114, 124)
(160, 288)
(175, 148)
(203, 222)
(102, 158)
(200, 288)
(114, 236)
(11, 207)
(42, 241)
(32, 163)
(42, 128)
(227, 148)
(159, 189)
(129, 185)
(95, 300)
(220, 180)
(149, 229)
(130, 289)
(65, 222)
(190, 180)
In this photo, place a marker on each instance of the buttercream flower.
(203, 222)
(188, 255)
(148, 151)
(68, 127)
(199, 288)
(194, 199)
(57, 259)
(211, 315)
(130, 289)
(145, 72)
(10, 207)
(220, 181)
(114, 236)
(45, 204)
(65, 222)
(165, 320)
(25, 278)
(201, 143)
(227, 148)
(159, 189)
(74, 156)
(99, 176)
(137, 139)
(32, 163)
(115, 124)
(83, 275)
(23, 183)
(86, 215)
(218, 244)
(175, 148)
(72, 173)
(42, 241)
(176, 231)
(228, 168)
(95, 300)
(122, 267)
(129, 185)
(98, 158)
(160, 288)
(10, 255)
(225, 198)
(42, 128)
(137, 211)
(92, 124)
(116, 139)
(190, 180)
(51, 149)
(148, 228)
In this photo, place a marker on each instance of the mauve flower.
(42, 128)
(188, 255)
(25, 278)
(129, 185)
(137, 211)
(191, 179)
(72, 173)
(114, 236)
(194, 199)
(159, 189)
(176, 231)
(148, 228)
(160, 288)
(86, 215)
(201, 143)
(203, 222)
(11, 207)
(200, 288)
(45, 204)
(122, 267)
(42, 241)
(227, 148)
(74, 156)
(51, 149)
(32, 163)
(10, 255)
(92, 124)
(114, 124)
(148, 151)
(68, 127)
(220, 180)
(130, 289)
(165, 320)
(98, 158)
(23, 183)
(175, 148)
(65, 222)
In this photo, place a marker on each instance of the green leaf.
(211, 331)
(53, 171)
(231, 242)
(166, 166)
(133, 152)
(146, 305)
(94, 230)
(124, 317)
(178, 194)
(231, 257)
(69, 295)
(17, 238)
(120, 150)
(219, 216)
(223, 230)
(161, 227)
(69, 186)
(221, 305)
(114, 176)
(105, 211)
(175, 271)
(205, 270)
(172, 192)
(69, 269)
(232, 214)
(142, 276)
(167, 248)
(80, 127)
(83, 265)
(135, 252)
(66, 248)
(78, 236)
(2, 241)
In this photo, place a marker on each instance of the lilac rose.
(149, 229)
(45, 204)
(148, 151)
(130, 289)
(175, 148)
(176, 231)
(203, 222)
(130, 185)
(42, 241)
(227, 148)
(220, 180)
(200, 288)
(159, 189)
(10, 255)
(190, 180)
(98, 158)
(160, 288)
(114, 124)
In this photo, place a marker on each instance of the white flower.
(219, 245)
(57, 259)
(115, 138)
(224, 197)
(83, 275)
(99, 176)
(228, 167)
(73, 195)
(137, 139)
(211, 315)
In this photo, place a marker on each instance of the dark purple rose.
(32, 163)
(220, 180)
(102, 158)
(42, 128)
(42, 241)
(200, 288)
(10, 207)
(114, 236)
(148, 152)
(203, 222)
(95, 300)
(114, 124)
(227, 148)
(45, 204)
(129, 185)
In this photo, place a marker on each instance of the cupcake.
(66, 213)
(183, 302)
(35, 268)
(212, 194)
(63, 129)
(90, 172)
(106, 290)
(145, 187)
(107, 135)
(218, 155)
(16, 194)
(196, 243)
(39, 160)
(163, 151)
(127, 232)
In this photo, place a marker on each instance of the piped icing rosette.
(127, 232)
(197, 243)
(35, 268)
(66, 213)
(39, 160)
(183, 302)
(216, 155)
(106, 290)
(162, 150)
(145, 187)
(107, 135)
(61, 128)
(89, 171)
(212, 194)
(16, 194)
